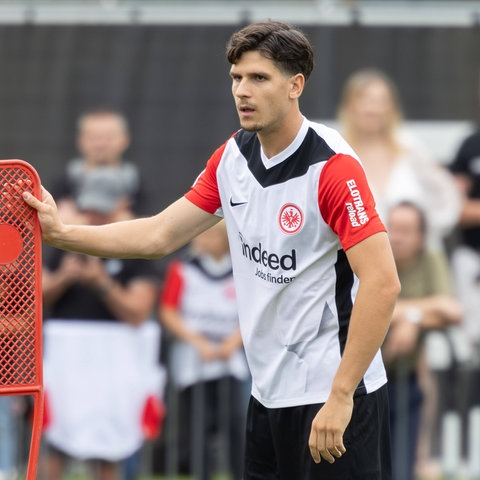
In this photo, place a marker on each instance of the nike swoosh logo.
(236, 204)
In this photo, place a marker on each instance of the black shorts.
(277, 443)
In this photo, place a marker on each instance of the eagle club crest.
(290, 218)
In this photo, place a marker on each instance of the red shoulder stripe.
(346, 201)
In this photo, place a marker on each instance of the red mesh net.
(20, 289)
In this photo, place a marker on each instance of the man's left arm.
(372, 261)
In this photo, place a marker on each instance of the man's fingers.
(324, 448)
(312, 445)
(339, 447)
(338, 451)
(318, 448)
(27, 196)
(335, 445)
(31, 200)
(326, 455)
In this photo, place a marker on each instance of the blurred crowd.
(140, 352)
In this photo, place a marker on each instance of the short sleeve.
(204, 192)
(346, 201)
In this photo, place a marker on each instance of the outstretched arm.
(150, 237)
(372, 261)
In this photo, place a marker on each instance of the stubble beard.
(256, 127)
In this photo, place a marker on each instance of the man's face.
(102, 139)
(405, 233)
(261, 92)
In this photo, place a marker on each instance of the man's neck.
(276, 140)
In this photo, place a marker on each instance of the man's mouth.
(245, 109)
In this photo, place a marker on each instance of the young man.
(315, 278)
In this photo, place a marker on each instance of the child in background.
(198, 307)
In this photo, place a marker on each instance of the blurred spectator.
(102, 140)
(466, 259)
(426, 302)
(198, 307)
(397, 166)
(466, 267)
(99, 369)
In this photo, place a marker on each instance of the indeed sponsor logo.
(356, 208)
(274, 261)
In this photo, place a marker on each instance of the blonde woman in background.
(398, 168)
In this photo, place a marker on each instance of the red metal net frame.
(21, 295)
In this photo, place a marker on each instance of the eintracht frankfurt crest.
(290, 218)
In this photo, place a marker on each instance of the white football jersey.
(290, 220)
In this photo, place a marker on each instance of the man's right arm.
(151, 237)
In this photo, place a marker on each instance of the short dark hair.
(285, 44)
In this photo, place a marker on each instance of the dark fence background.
(173, 84)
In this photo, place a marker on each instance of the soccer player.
(315, 277)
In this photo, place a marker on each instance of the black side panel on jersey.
(313, 150)
(343, 300)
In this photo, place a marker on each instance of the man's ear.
(297, 82)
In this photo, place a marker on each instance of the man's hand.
(48, 217)
(328, 427)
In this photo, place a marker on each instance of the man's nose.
(242, 89)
